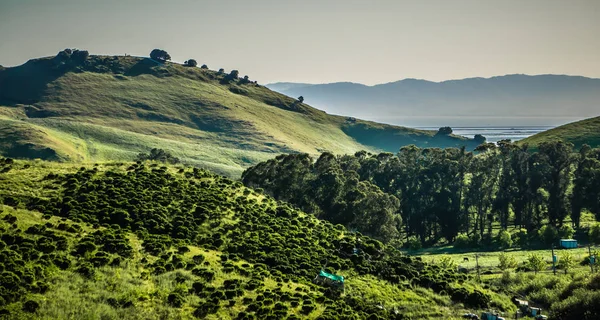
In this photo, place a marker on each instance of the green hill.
(111, 108)
(578, 133)
(140, 241)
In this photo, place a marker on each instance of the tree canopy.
(191, 63)
(160, 55)
(435, 194)
(158, 155)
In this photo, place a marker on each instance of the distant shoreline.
(497, 133)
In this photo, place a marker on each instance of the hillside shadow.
(391, 139)
(27, 84)
(143, 66)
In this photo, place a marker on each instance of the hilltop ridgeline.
(81, 107)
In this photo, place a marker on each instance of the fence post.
(477, 262)
(592, 259)
(553, 260)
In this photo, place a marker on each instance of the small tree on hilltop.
(233, 75)
(300, 99)
(64, 55)
(160, 55)
(80, 55)
(221, 71)
(444, 131)
(191, 63)
(246, 79)
(204, 67)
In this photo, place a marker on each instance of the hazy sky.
(320, 41)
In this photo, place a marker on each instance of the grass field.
(559, 294)
(488, 261)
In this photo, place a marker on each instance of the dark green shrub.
(31, 306)
(183, 249)
(198, 287)
(307, 308)
(205, 309)
(175, 299)
(116, 261)
(61, 261)
(84, 247)
(247, 300)
(86, 270)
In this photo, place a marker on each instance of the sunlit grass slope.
(579, 133)
(112, 108)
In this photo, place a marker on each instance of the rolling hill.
(503, 100)
(113, 107)
(578, 133)
(146, 241)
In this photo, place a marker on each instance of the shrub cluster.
(192, 207)
(6, 164)
(26, 258)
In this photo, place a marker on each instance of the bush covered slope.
(140, 241)
(578, 133)
(111, 108)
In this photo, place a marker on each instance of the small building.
(331, 280)
(568, 243)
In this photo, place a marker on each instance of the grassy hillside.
(140, 241)
(111, 108)
(579, 133)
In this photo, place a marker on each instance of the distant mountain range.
(511, 96)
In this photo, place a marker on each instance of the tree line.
(432, 194)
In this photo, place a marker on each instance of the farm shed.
(568, 243)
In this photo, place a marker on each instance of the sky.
(320, 41)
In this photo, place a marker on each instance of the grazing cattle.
(465, 259)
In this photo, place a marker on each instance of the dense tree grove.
(436, 194)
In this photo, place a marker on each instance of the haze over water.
(495, 134)
(493, 128)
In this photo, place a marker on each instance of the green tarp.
(331, 276)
